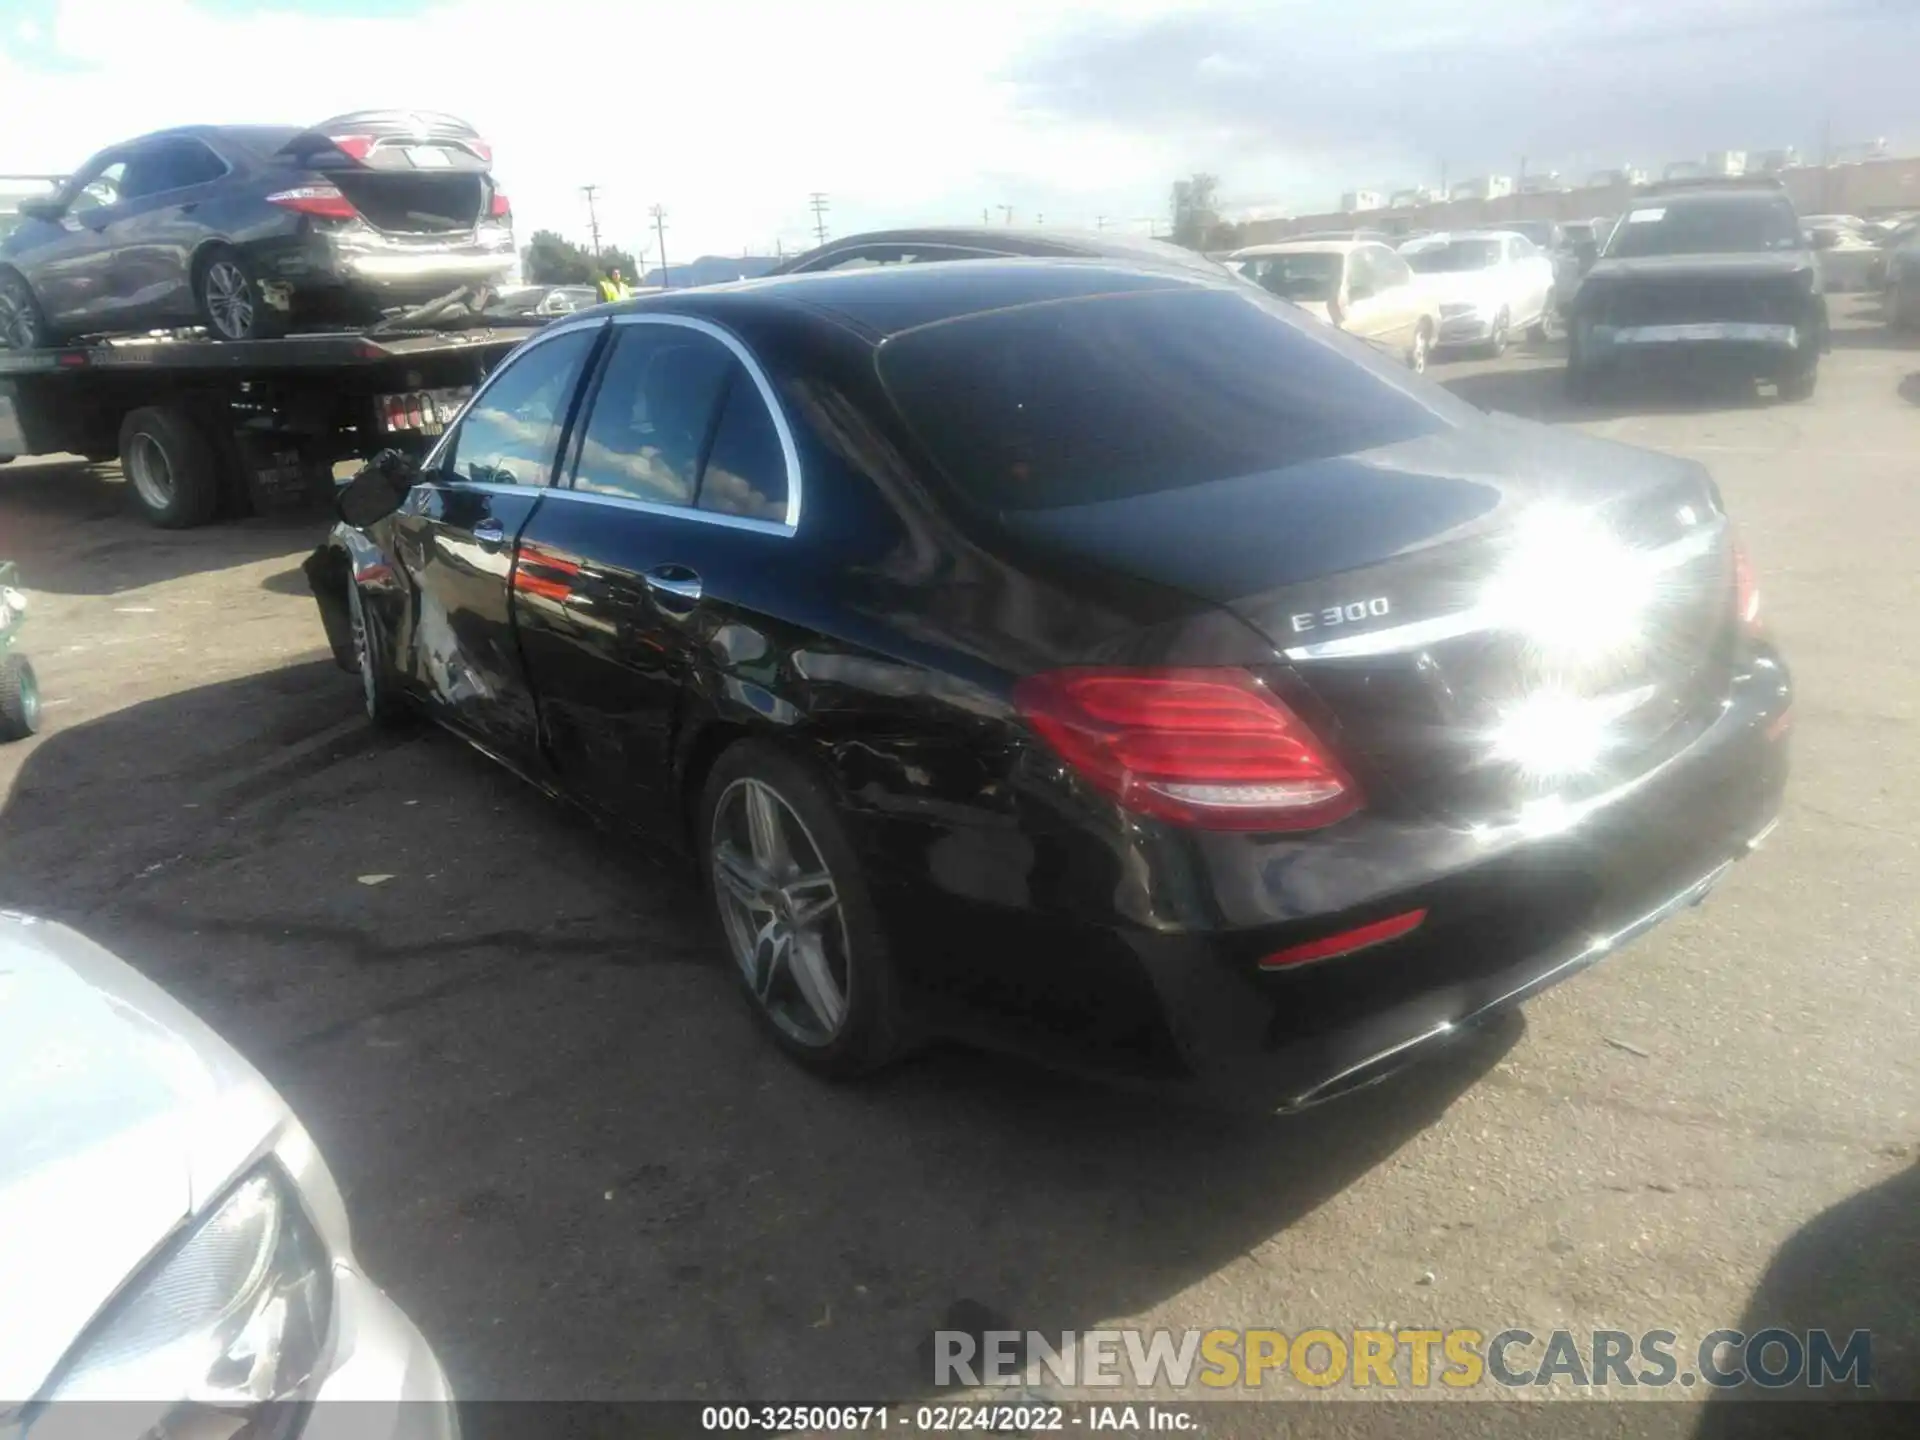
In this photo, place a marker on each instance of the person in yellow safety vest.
(613, 287)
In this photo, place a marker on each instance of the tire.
(838, 1016)
(23, 325)
(1496, 344)
(1541, 330)
(379, 693)
(226, 293)
(1902, 312)
(19, 698)
(1799, 385)
(172, 465)
(1422, 350)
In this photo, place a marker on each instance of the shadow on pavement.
(1853, 1267)
(566, 1149)
(1540, 393)
(74, 527)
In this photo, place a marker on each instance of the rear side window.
(511, 432)
(652, 414)
(746, 472)
(1079, 401)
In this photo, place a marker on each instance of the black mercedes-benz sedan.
(1098, 661)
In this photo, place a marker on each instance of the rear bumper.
(385, 271)
(1509, 912)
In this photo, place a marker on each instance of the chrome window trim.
(789, 451)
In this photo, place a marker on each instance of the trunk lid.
(406, 172)
(1368, 574)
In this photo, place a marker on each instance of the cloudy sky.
(907, 110)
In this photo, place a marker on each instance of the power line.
(817, 202)
(593, 219)
(659, 213)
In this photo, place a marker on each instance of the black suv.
(1703, 274)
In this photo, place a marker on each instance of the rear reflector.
(1210, 748)
(1346, 942)
(325, 202)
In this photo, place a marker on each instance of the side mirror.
(40, 207)
(378, 490)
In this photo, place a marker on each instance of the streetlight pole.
(659, 213)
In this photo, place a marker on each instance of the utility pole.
(986, 216)
(1007, 211)
(659, 213)
(817, 202)
(1099, 222)
(593, 219)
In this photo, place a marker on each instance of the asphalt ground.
(572, 1160)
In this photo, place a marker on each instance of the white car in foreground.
(170, 1238)
(1487, 283)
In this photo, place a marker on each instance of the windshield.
(1717, 226)
(1112, 396)
(1309, 276)
(1452, 256)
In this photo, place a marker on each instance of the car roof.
(1442, 237)
(1296, 247)
(1018, 240)
(259, 139)
(887, 300)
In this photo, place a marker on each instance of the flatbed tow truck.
(212, 429)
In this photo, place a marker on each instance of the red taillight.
(324, 202)
(1746, 589)
(1346, 942)
(499, 208)
(354, 147)
(1210, 748)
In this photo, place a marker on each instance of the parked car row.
(250, 230)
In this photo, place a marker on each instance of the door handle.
(490, 533)
(674, 587)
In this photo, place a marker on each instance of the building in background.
(1355, 201)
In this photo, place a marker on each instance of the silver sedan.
(171, 1238)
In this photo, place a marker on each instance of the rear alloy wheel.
(229, 300)
(19, 698)
(22, 326)
(799, 927)
(1502, 335)
(378, 692)
(1422, 349)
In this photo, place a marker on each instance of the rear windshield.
(1717, 226)
(1451, 256)
(1100, 398)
